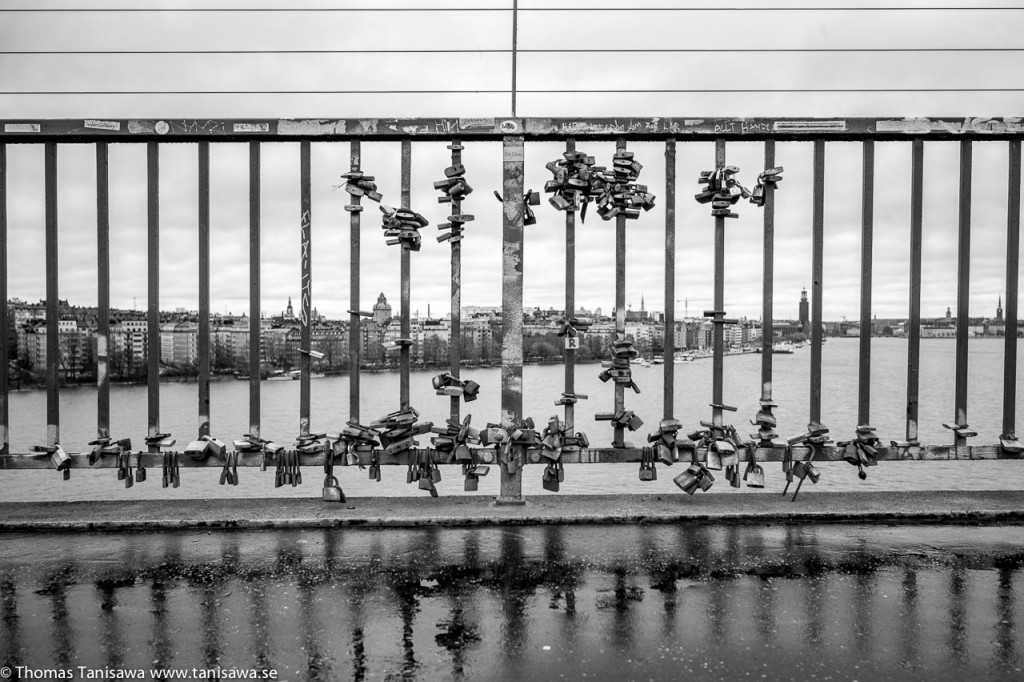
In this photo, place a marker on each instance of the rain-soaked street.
(686, 601)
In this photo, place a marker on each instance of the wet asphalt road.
(759, 601)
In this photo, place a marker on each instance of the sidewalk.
(998, 507)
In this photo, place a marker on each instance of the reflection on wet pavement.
(616, 602)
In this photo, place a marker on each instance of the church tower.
(805, 317)
(999, 310)
(381, 310)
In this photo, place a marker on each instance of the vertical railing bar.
(718, 329)
(455, 331)
(817, 272)
(305, 302)
(963, 288)
(255, 350)
(103, 290)
(4, 325)
(620, 306)
(203, 340)
(1012, 272)
(914, 320)
(153, 289)
(570, 304)
(866, 250)
(668, 350)
(768, 286)
(406, 284)
(52, 308)
(513, 168)
(355, 321)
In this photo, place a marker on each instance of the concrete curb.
(979, 507)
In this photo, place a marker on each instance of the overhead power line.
(639, 50)
(758, 8)
(498, 92)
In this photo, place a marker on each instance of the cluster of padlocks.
(623, 351)
(397, 430)
(862, 450)
(402, 227)
(450, 385)
(626, 419)
(621, 195)
(358, 184)
(770, 177)
(454, 188)
(576, 182)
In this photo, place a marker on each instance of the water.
(542, 386)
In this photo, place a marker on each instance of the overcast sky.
(750, 31)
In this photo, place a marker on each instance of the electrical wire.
(500, 92)
(595, 50)
(154, 10)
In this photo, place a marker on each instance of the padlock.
(687, 482)
(140, 470)
(332, 491)
(714, 460)
(549, 480)
(756, 477)
(214, 446)
(471, 483)
(197, 450)
(129, 479)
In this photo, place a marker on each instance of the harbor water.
(542, 386)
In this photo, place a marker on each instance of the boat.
(658, 360)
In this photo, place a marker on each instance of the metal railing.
(515, 448)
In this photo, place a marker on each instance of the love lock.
(1009, 443)
(756, 477)
(646, 466)
(198, 450)
(140, 470)
(550, 479)
(332, 491)
(402, 227)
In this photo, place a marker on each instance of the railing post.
(153, 290)
(620, 307)
(866, 249)
(817, 272)
(5, 361)
(1012, 271)
(255, 350)
(768, 285)
(203, 340)
(668, 349)
(570, 304)
(306, 294)
(406, 283)
(52, 307)
(455, 332)
(914, 321)
(103, 291)
(963, 289)
(355, 337)
(513, 170)
(718, 330)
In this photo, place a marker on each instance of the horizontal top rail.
(647, 128)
